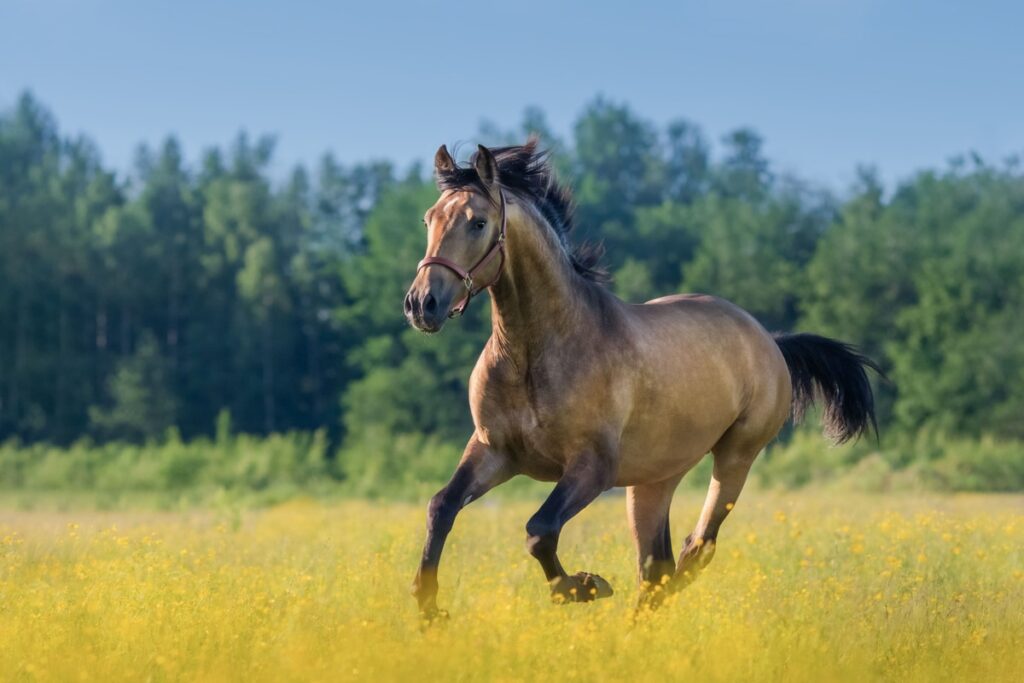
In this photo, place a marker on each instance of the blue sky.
(828, 83)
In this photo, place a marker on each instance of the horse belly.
(655, 452)
(676, 419)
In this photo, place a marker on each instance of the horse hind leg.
(732, 461)
(647, 506)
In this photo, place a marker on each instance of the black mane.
(526, 172)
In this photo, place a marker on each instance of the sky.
(829, 84)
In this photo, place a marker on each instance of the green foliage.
(142, 401)
(926, 461)
(805, 459)
(139, 309)
(201, 470)
(383, 463)
(754, 253)
(412, 466)
(978, 465)
(931, 284)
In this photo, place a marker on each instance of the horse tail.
(838, 371)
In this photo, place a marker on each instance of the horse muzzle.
(426, 312)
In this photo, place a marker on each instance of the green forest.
(225, 304)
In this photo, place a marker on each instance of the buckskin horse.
(577, 387)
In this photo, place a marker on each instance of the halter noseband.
(467, 275)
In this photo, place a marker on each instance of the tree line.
(133, 304)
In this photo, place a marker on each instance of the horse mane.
(526, 172)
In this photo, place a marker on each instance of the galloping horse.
(577, 387)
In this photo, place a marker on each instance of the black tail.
(838, 371)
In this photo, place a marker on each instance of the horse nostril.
(429, 304)
(408, 304)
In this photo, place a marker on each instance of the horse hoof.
(580, 587)
(432, 617)
(595, 586)
(651, 599)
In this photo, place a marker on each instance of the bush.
(382, 464)
(413, 466)
(202, 469)
(983, 465)
(928, 460)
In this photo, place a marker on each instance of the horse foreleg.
(583, 481)
(480, 470)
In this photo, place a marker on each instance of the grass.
(804, 586)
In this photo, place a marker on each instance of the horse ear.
(443, 162)
(486, 166)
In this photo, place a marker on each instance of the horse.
(576, 387)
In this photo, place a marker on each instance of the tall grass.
(804, 587)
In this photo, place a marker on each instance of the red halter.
(467, 275)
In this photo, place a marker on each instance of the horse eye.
(479, 225)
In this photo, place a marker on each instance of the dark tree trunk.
(125, 346)
(268, 373)
(173, 305)
(60, 391)
(312, 335)
(13, 408)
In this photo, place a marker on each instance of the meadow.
(805, 586)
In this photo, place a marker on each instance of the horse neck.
(538, 296)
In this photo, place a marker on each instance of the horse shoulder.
(497, 393)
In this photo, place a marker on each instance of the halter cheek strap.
(467, 275)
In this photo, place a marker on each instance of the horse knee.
(442, 508)
(541, 538)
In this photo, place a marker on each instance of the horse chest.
(541, 419)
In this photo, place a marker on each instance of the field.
(803, 587)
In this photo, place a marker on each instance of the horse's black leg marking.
(441, 512)
(479, 471)
(582, 482)
(662, 562)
